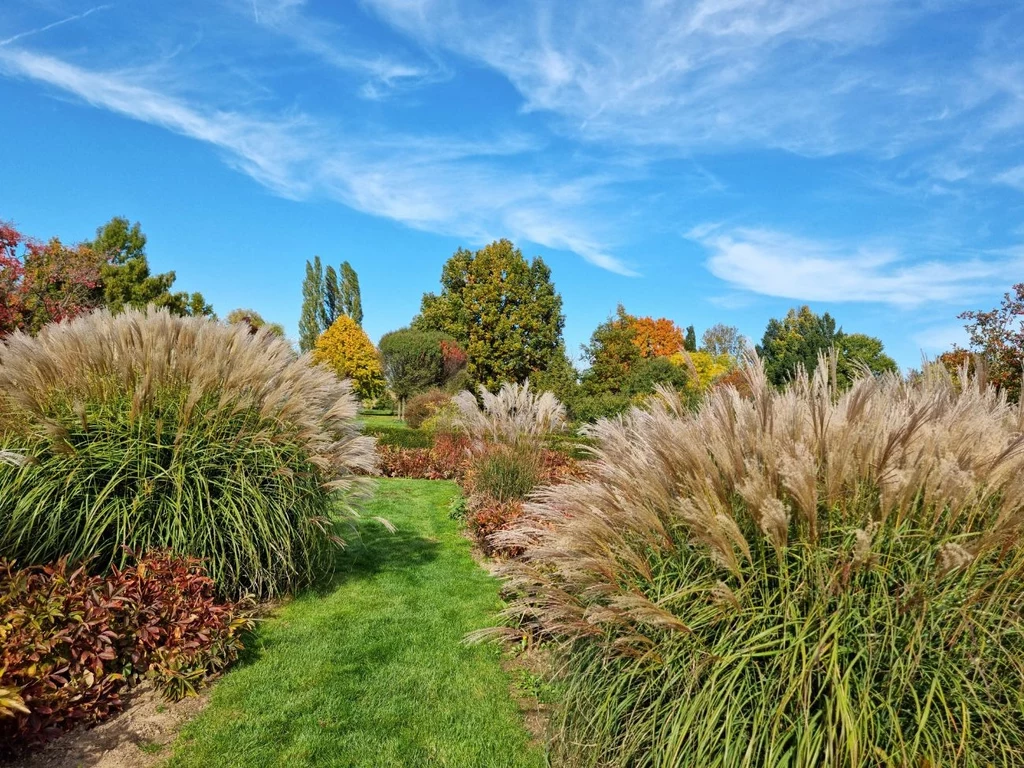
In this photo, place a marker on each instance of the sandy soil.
(137, 738)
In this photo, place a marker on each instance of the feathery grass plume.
(143, 430)
(799, 578)
(513, 415)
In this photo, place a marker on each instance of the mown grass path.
(371, 672)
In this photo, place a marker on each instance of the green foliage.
(721, 339)
(856, 351)
(150, 430)
(650, 372)
(503, 310)
(690, 343)
(802, 336)
(325, 298)
(505, 473)
(350, 301)
(589, 408)
(372, 672)
(796, 340)
(126, 279)
(560, 377)
(399, 435)
(612, 354)
(997, 338)
(70, 642)
(313, 320)
(413, 360)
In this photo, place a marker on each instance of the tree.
(705, 368)
(856, 351)
(42, 283)
(254, 320)
(414, 361)
(347, 350)
(612, 353)
(998, 337)
(313, 320)
(503, 310)
(560, 377)
(721, 339)
(691, 339)
(349, 300)
(325, 298)
(126, 278)
(657, 338)
(795, 340)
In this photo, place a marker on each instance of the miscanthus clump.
(799, 578)
(144, 430)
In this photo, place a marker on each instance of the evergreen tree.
(125, 277)
(690, 345)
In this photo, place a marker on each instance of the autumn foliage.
(657, 337)
(44, 282)
(70, 642)
(347, 350)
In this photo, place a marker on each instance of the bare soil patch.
(139, 737)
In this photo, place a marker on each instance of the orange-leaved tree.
(347, 350)
(659, 337)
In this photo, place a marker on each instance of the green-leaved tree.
(503, 310)
(125, 277)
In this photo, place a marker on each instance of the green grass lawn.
(373, 420)
(371, 670)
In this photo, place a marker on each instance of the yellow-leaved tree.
(705, 368)
(347, 350)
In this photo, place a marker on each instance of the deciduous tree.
(414, 361)
(503, 310)
(313, 320)
(347, 350)
(659, 337)
(795, 340)
(722, 339)
(998, 336)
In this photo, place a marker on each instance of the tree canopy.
(126, 277)
(997, 336)
(325, 298)
(503, 310)
(802, 335)
(414, 360)
(347, 350)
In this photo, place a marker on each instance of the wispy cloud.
(52, 25)
(438, 184)
(333, 46)
(808, 76)
(778, 264)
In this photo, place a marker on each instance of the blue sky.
(712, 161)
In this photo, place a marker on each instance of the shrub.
(485, 517)
(70, 642)
(800, 578)
(445, 460)
(513, 415)
(146, 430)
(424, 405)
(590, 408)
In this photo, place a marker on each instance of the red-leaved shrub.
(70, 641)
(446, 459)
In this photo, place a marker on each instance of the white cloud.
(1014, 177)
(808, 76)
(777, 264)
(432, 183)
(940, 338)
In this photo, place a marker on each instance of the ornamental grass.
(146, 430)
(799, 578)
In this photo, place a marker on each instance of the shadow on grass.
(370, 549)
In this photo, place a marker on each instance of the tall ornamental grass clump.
(799, 578)
(145, 430)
